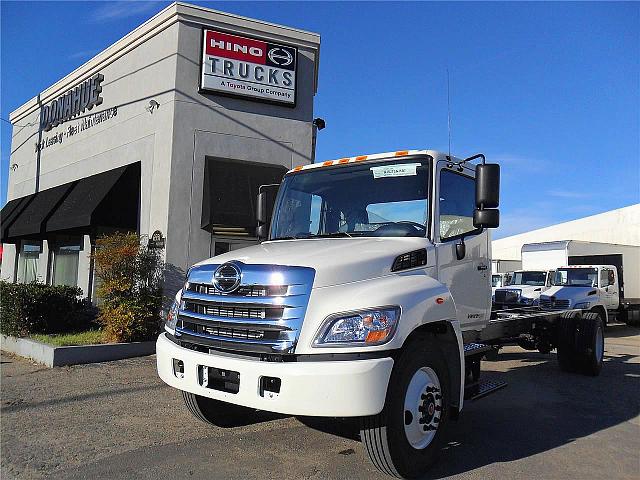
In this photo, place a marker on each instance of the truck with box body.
(369, 298)
(625, 259)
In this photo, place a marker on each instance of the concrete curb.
(58, 356)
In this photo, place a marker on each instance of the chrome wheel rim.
(599, 345)
(422, 408)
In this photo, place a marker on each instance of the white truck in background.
(596, 288)
(524, 289)
(369, 297)
(624, 259)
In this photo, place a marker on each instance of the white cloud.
(110, 11)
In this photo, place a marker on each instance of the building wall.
(160, 62)
(620, 226)
(231, 128)
(133, 135)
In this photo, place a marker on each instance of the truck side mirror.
(264, 208)
(487, 214)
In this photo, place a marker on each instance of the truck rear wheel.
(591, 343)
(215, 412)
(632, 318)
(404, 439)
(568, 356)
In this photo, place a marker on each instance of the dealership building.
(169, 132)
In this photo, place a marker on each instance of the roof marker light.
(326, 164)
(298, 168)
(343, 160)
(402, 153)
(361, 158)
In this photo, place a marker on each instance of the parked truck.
(596, 288)
(369, 297)
(525, 287)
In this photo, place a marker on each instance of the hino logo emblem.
(227, 277)
(280, 56)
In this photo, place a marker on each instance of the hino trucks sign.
(247, 67)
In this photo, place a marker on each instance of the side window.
(612, 277)
(456, 204)
(550, 276)
(604, 278)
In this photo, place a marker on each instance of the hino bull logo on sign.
(248, 67)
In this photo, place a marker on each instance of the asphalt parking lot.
(117, 420)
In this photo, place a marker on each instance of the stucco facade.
(154, 113)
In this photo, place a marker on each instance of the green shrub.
(130, 287)
(38, 308)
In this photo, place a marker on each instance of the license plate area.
(219, 379)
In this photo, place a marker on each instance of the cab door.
(468, 276)
(609, 288)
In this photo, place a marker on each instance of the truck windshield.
(382, 199)
(529, 278)
(576, 277)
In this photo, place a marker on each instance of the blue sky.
(549, 90)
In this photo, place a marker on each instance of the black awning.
(108, 199)
(10, 212)
(32, 217)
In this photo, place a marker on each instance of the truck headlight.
(172, 315)
(526, 301)
(365, 327)
(583, 305)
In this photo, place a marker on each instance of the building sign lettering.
(248, 67)
(83, 97)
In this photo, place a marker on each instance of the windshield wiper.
(333, 234)
(302, 236)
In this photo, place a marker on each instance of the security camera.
(152, 106)
(319, 123)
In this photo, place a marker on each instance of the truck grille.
(243, 291)
(507, 296)
(255, 317)
(233, 311)
(553, 304)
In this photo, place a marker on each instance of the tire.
(404, 439)
(632, 318)
(568, 357)
(591, 343)
(215, 412)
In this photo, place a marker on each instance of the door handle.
(482, 267)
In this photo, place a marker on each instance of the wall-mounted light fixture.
(152, 106)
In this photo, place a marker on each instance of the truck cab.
(355, 304)
(588, 287)
(524, 289)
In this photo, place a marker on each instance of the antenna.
(449, 112)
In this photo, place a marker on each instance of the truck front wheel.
(215, 412)
(404, 439)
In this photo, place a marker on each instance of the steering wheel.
(400, 229)
(418, 226)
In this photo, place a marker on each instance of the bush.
(130, 287)
(38, 308)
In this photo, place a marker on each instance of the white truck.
(369, 298)
(596, 288)
(524, 289)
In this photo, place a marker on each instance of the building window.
(28, 262)
(65, 265)
(457, 203)
(229, 194)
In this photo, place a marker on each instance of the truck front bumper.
(347, 388)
